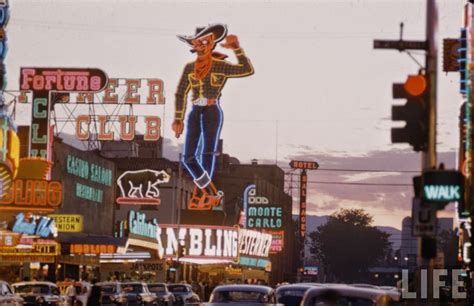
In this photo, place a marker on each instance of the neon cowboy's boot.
(212, 196)
(193, 203)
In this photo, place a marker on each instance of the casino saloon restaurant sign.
(198, 242)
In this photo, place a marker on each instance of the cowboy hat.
(219, 30)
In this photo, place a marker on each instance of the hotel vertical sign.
(303, 189)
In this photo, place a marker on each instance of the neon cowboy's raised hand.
(178, 127)
(231, 42)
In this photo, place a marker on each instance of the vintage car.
(7, 297)
(164, 296)
(183, 294)
(393, 292)
(345, 295)
(242, 295)
(111, 293)
(39, 293)
(291, 294)
(137, 293)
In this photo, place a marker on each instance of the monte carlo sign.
(443, 186)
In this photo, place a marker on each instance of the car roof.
(294, 286)
(133, 283)
(347, 291)
(34, 283)
(239, 287)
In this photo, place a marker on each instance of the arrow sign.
(400, 44)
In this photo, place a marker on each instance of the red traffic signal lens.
(415, 85)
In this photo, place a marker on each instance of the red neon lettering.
(85, 97)
(27, 78)
(38, 82)
(109, 96)
(155, 93)
(103, 134)
(131, 96)
(96, 83)
(79, 133)
(153, 128)
(131, 120)
(82, 83)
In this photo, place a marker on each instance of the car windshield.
(178, 289)
(341, 301)
(290, 296)
(238, 296)
(32, 289)
(157, 288)
(133, 288)
(108, 288)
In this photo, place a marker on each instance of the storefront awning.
(91, 239)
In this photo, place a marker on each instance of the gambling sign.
(32, 195)
(306, 165)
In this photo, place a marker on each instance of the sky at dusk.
(320, 92)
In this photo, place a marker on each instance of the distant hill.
(312, 223)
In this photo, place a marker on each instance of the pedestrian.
(204, 78)
(94, 297)
(71, 292)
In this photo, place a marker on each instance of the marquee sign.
(32, 196)
(39, 248)
(92, 249)
(141, 187)
(201, 242)
(254, 244)
(35, 225)
(43, 82)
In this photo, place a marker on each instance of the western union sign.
(68, 223)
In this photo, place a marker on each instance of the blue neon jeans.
(202, 136)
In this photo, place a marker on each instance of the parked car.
(164, 296)
(345, 295)
(242, 295)
(137, 293)
(7, 297)
(39, 293)
(111, 293)
(391, 291)
(289, 295)
(183, 294)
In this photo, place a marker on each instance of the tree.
(348, 245)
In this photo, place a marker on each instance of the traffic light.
(463, 60)
(414, 112)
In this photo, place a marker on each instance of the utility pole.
(429, 157)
